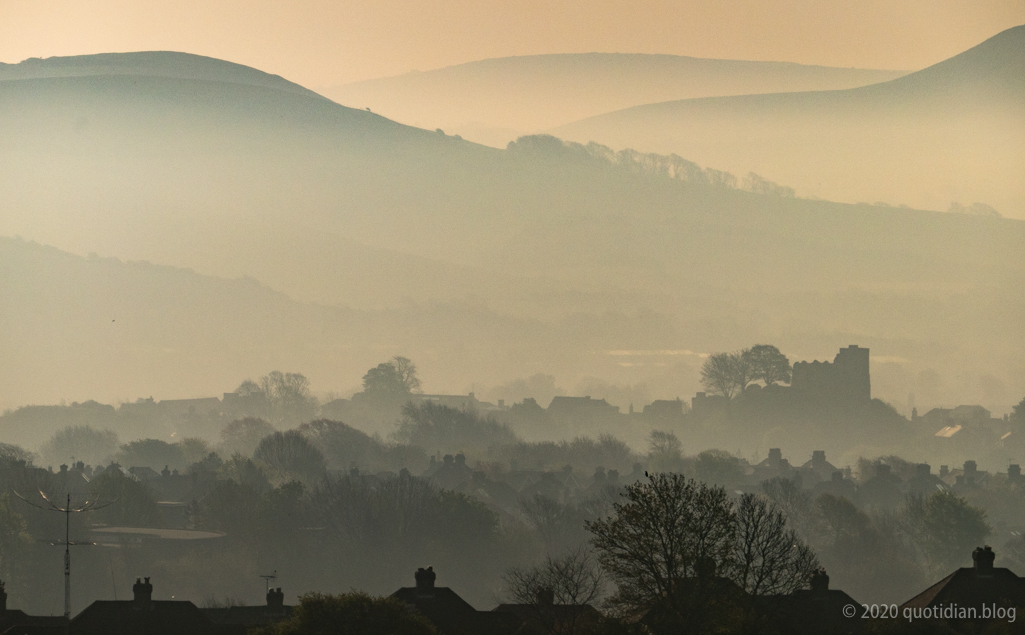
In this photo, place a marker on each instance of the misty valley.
(568, 344)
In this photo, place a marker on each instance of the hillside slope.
(556, 258)
(167, 64)
(496, 100)
(952, 132)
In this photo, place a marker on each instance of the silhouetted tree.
(552, 520)
(84, 443)
(14, 538)
(654, 543)
(288, 396)
(681, 550)
(152, 453)
(769, 558)
(769, 364)
(11, 453)
(665, 452)
(133, 503)
(436, 427)
(194, 449)
(290, 456)
(241, 469)
(743, 369)
(945, 527)
(1018, 412)
(392, 380)
(243, 435)
(718, 467)
(407, 373)
(573, 580)
(796, 503)
(342, 445)
(719, 376)
(350, 614)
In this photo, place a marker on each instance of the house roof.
(969, 587)
(155, 617)
(441, 600)
(819, 611)
(15, 622)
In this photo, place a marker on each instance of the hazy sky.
(323, 42)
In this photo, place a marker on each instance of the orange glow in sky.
(325, 42)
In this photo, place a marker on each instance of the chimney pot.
(275, 599)
(143, 592)
(819, 581)
(425, 581)
(983, 558)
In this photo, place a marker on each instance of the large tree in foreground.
(656, 543)
(686, 553)
(571, 582)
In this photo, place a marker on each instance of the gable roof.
(969, 587)
(441, 600)
(156, 617)
(16, 622)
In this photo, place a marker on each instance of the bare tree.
(558, 590)
(743, 368)
(769, 558)
(290, 456)
(288, 395)
(666, 451)
(551, 519)
(718, 375)
(407, 373)
(795, 503)
(655, 543)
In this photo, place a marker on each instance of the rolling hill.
(497, 100)
(952, 132)
(481, 264)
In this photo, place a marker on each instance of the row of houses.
(971, 596)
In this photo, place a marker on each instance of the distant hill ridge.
(169, 64)
(495, 100)
(953, 132)
(315, 199)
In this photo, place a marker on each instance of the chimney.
(501, 403)
(425, 581)
(819, 581)
(983, 559)
(143, 593)
(545, 597)
(460, 460)
(818, 458)
(775, 455)
(1013, 472)
(276, 599)
(970, 468)
(944, 471)
(924, 469)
